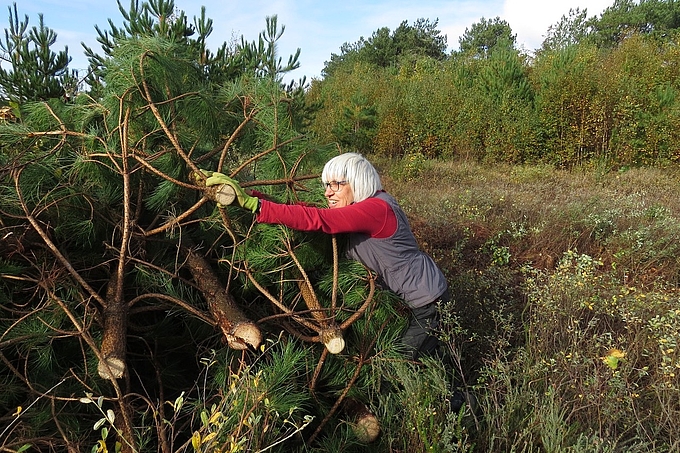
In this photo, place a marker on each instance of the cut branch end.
(333, 340)
(111, 368)
(242, 335)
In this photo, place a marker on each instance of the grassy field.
(566, 313)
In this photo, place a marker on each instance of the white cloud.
(530, 19)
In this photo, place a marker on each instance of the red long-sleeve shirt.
(373, 217)
(379, 237)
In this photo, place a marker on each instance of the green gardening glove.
(243, 199)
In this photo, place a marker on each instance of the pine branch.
(235, 134)
(84, 334)
(114, 339)
(260, 155)
(338, 402)
(331, 335)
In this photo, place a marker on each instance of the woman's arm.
(372, 216)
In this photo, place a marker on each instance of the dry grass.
(539, 213)
(566, 311)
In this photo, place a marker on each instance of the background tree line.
(600, 91)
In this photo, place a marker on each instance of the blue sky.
(318, 28)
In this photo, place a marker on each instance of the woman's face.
(338, 193)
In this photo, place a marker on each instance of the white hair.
(359, 173)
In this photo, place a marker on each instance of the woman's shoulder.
(381, 198)
(384, 197)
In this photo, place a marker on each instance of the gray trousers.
(420, 337)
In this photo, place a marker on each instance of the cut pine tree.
(239, 331)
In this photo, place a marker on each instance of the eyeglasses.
(335, 186)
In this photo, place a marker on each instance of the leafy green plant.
(261, 405)
(409, 168)
(102, 425)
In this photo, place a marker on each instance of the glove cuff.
(252, 204)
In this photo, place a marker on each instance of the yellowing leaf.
(196, 440)
(617, 353)
(214, 418)
(613, 358)
(208, 438)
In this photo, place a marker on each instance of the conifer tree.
(33, 71)
(625, 18)
(570, 30)
(119, 268)
(485, 36)
(385, 48)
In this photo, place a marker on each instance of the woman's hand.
(242, 198)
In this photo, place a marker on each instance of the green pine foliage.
(35, 72)
(115, 164)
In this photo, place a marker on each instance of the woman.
(379, 237)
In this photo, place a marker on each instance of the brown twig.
(69, 446)
(317, 370)
(278, 303)
(337, 404)
(180, 303)
(262, 154)
(349, 321)
(127, 219)
(334, 293)
(82, 333)
(232, 137)
(159, 117)
(155, 171)
(177, 219)
(52, 246)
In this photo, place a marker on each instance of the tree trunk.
(114, 339)
(365, 424)
(239, 331)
